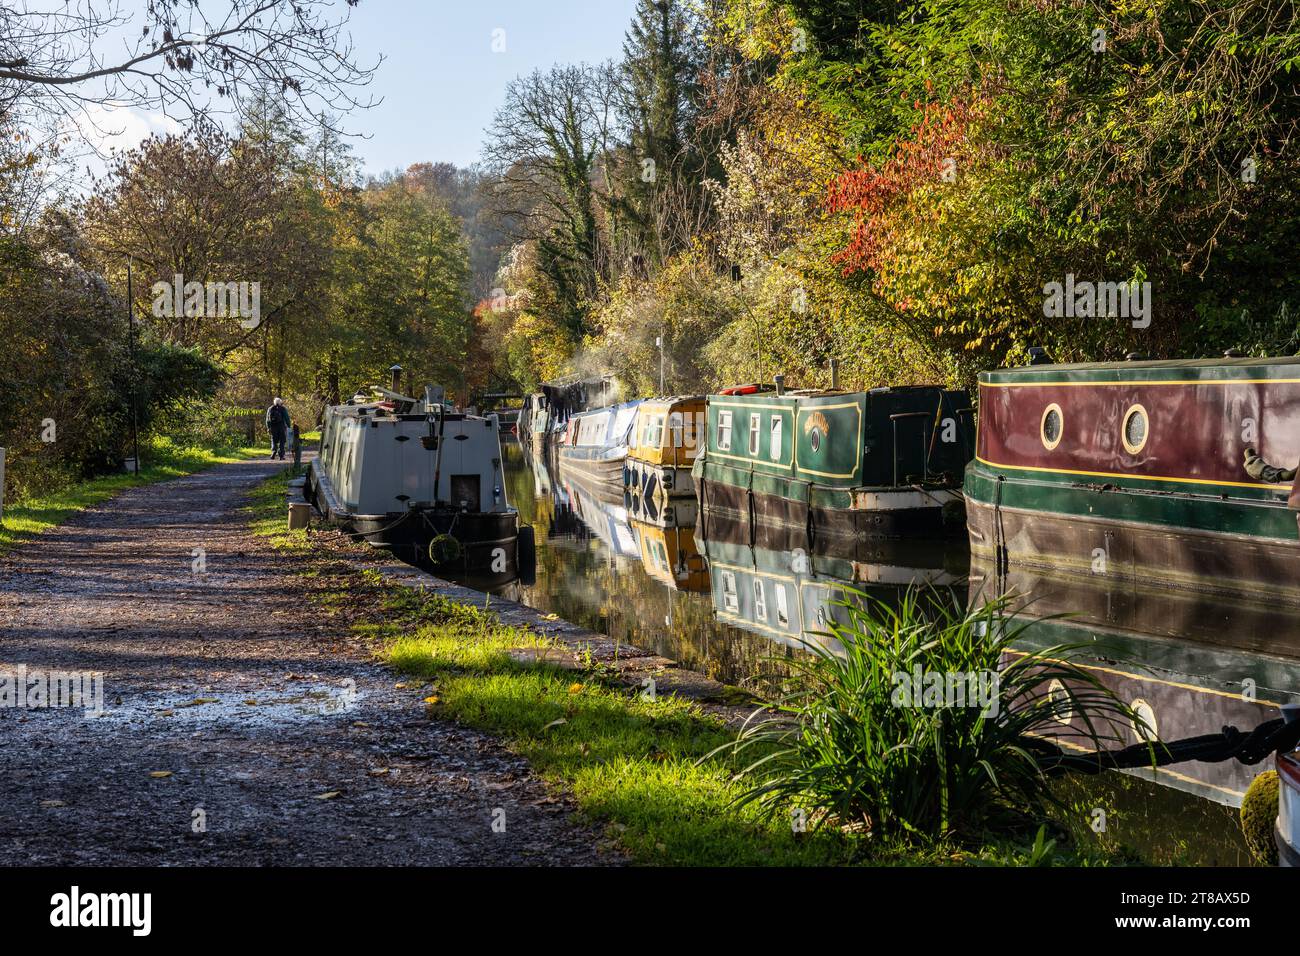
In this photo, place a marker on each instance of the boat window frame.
(1042, 426)
(724, 430)
(755, 433)
(775, 435)
(730, 594)
(782, 605)
(760, 600)
(1137, 408)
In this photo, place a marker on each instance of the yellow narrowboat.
(662, 445)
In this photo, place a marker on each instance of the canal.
(737, 613)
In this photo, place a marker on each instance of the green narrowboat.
(886, 462)
(1174, 474)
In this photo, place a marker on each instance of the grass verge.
(28, 518)
(646, 769)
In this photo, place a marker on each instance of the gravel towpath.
(240, 724)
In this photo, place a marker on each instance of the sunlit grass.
(267, 508)
(161, 460)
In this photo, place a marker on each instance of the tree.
(194, 57)
(549, 148)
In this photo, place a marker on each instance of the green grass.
(649, 771)
(268, 513)
(30, 517)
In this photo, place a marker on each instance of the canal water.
(738, 613)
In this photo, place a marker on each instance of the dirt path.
(282, 742)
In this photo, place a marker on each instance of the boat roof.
(1274, 367)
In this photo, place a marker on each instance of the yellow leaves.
(431, 700)
(576, 688)
(160, 774)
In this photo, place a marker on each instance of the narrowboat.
(534, 424)
(886, 462)
(592, 447)
(666, 436)
(421, 480)
(1287, 832)
(1188, 666)
(1165, 474)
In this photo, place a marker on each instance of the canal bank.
(634, 740)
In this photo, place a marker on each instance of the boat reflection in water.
(690, 594)
(1189, 666)
(791, 590)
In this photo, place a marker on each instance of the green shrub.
(852, 747)
(1259, 817)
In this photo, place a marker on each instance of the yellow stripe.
(1152, 680)
(1114, 474)
(1172, 381)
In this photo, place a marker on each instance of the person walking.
(277, 423)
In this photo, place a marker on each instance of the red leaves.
(939, 140)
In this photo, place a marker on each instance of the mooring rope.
(1272, 736)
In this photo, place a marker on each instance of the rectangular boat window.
(729, 598)
(782, 610)
(755, 425)
(774, 446)
(760, 601)
(724, 431)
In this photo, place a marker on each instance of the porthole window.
(1144, 721)
(1135, 430)
(1051, 426)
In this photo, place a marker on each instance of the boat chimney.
(835, 375)
(780, 385)
(396, 371)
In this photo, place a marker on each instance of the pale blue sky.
(441, 82)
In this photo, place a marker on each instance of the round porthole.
(1060, 701)
(1144, 721)
(1136, 429)
(1051, 427)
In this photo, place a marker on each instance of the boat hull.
(481, 542)
(847, 513)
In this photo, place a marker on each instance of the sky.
(442, 82)
(442, 78)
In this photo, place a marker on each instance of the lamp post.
(130, 335)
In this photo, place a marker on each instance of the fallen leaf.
(555, 723)
(53, 803)
(160, 774)
(328, 795)
(575, 688)
(431, 700)
(378, 771)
